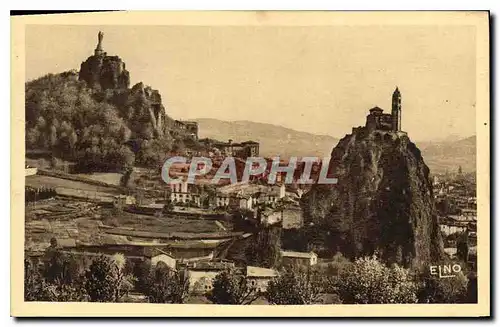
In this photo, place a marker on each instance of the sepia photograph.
(237, 163)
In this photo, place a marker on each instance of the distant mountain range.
(274, 140)
(449, 155)
(442, 156)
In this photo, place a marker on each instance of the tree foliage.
(100, 130)
(232, 288)
(265, 251)
(167, 286)
(103, 280)
(295, 287)
(37, 288)
(443, 290)
(61, 268)
(369, 281)
(463, 247)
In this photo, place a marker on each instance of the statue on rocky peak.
(100, 35)
(98, 50)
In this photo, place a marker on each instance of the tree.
(463, 247)
(369, 281)
(35, 286)
(266, 250)
(442, 290)
(331, 272)
(61, 268)
(167, 286)
(125, 282)
(168, 207)
(243, 220)
(125, 179)
(294, 287)
(103, 280)
(471, 293)
(232, 288)
(141, 271)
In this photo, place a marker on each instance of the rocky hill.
(273, 139)
(105, 72)
(383, 201)
(93, 118)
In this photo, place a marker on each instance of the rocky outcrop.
(383, 202)
(140, 105)
(105, 72)
(147, 108)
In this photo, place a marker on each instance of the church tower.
(396, 111)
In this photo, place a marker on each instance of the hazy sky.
(317, 79)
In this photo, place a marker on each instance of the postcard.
(257, 164)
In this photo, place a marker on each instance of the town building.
(222, 200)
(161, 256)
(244, 201)
(271, 195)
(188, 127)
(270, 217)
(292, 258)
(202, 274)
(242, 150)
(180, 193)
(122, 200)
(258, 278)
(451, 226)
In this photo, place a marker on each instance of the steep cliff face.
(107, 72)
(144, 106)
(141, 106)
(383, 201)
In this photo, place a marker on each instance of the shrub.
(294, 287)
(332, 270)
(35, 286)
(368, 280)
(60, 268)
(442, 290)
(471, 294)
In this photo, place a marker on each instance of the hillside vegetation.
(100, 130)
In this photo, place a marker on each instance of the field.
(74, 217)
(165, 224)
(84, 222)
(54, 182)
(109, 178)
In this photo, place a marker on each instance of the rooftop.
(210, 265)
(261, 272)
(66, 242)
(293, 254)
(376, 109)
